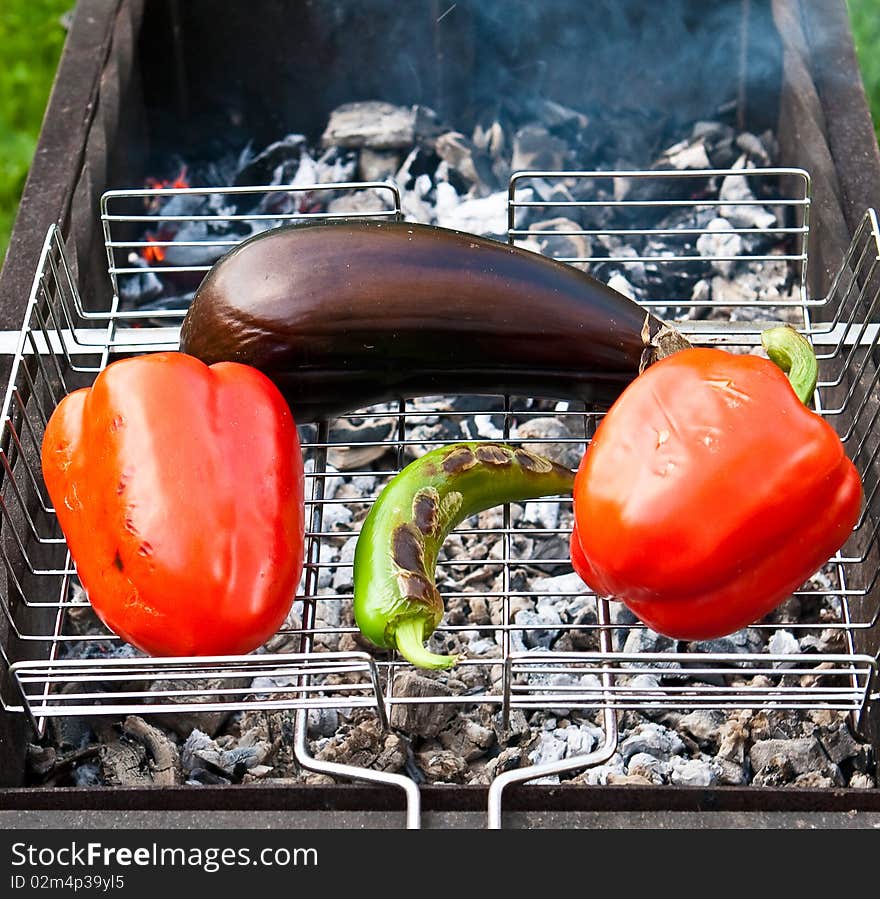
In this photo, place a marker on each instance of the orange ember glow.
(153, 253)
(178, 182)
(156, 254)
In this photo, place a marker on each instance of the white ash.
(201, 752)
(695, 772)
(735, 188)
(379, 125)
(653, 739)
(535, 636)
(720, 241)
(783, 643)
(620, 283)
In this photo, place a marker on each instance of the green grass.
(865, 18)
(31, 38)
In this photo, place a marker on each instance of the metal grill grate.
(56, 666)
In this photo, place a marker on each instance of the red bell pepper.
(179, 488)
(710, 491)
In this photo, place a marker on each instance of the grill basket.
(52, 667)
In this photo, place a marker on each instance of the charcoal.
(720, 240)
(200, 751)
(419, 719)
(359, 202)
(840, 745)
(703, 726)
(782, 759)
(544, 429)
(486, 215)
(490, 138)
(139, 289)
(467, 739)
(516, 731)
(653, 739)
(377, 165)
(165, 767)
(343, 577)
(564, 245)
(720, 142)
(621, 284)
(206, 254)
(861, 781)
(125, 764)
(40, 760)
(599, 775)
(546, 682)
(552, 192)
(442, 766)
(646, 683)
(556, 116)
(183, 723)
(141, 756)
(622, 618)
(262, 167)
(648, 767)
(542, 514)
(740, 641)
(815, 780)
(486, 426)
(651, 190)
(464, 159)
(335, 517)
(536, 149)
(380, 126)
(420, 162)
(644, 640)
(534, 634)
(688, 154)
(352, 453)
(549, 748)
(736, 188)
(754, 148)
(70, 732)
(366, 745)
(692, 772)
(782, 643)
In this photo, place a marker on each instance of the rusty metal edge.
(339, 797)
(851, 136)
(45, 200)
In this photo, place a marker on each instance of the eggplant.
(347, 313)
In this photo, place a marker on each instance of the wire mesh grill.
(59, 662)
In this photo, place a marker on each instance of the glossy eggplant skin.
(348, 313)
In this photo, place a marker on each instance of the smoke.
(271, 68)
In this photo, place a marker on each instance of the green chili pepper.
(396, 603)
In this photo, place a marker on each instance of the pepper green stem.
(408, 635)
(793, 353)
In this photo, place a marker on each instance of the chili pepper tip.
(408, 635)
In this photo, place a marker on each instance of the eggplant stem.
(793, 353)
(409, 636)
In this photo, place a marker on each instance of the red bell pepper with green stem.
(179, 488)
(710, 491)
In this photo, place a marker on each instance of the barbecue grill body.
(118, 101)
